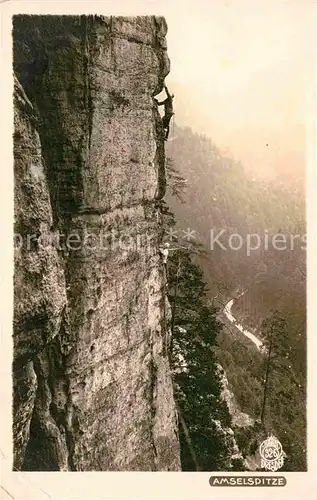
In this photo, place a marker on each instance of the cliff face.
(92, 385)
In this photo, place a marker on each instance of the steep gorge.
(92, 384)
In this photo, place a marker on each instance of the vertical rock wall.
(92, 386)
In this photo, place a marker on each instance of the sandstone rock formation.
(239, 418)
(92, 385)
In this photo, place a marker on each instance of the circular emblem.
(272, 455)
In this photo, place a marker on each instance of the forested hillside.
(222, 199)
(206, 438)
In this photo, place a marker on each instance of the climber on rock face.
(165, 251)
(168, 111)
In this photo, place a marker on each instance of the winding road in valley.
(227, 312)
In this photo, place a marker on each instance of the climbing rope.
(173, 126)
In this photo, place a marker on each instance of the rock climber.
(165, 251)
(168, 111)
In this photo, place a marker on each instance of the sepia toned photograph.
(160, 239)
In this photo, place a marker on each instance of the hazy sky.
(240, 71)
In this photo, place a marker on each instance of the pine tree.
(274, 343)
(176, 183)
(197, 385)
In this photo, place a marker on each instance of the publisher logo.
(272, 454)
